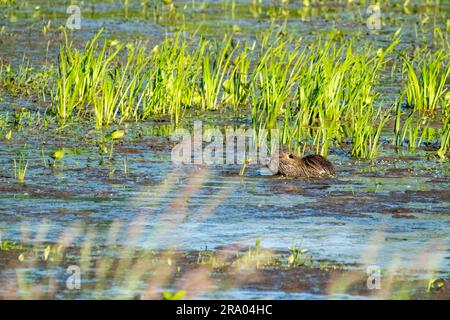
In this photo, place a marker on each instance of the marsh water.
(391, 212)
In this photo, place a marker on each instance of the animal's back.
(318, 164)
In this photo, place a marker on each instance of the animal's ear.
(291, 156)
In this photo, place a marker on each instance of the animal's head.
(282, 162)
(287, 156)
(289, 163)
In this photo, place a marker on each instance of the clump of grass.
(236, 87)
(367, 131)
(172, 82)
(20, 169)
(273, 82)
(120, 89)
(214, 67)
(80, 75)
(7, 245)
(255, 257)
(414, 131)
(24, 117)
(323, 92)
(26, 80)
(4, 123)
(144, 85)
(426, 78)
(298, 256)
(444, 149)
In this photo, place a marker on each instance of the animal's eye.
(291, 156)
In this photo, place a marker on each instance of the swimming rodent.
(310, 166)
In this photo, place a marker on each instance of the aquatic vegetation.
(20, 169)
(79, 78)
(172, 77)
(426, 78)
(298, 256)
(325, 94)
(145, 85)
(444, 148)
(255, 257)
(116, 135)
(416, 129)
(7, 2)
(413, 131)
(112, 137)
(319, 74)
(57, 155)
(273, 82)
(4, 123)
(22, 117)
(236, 87)
(25, 80)
(366, 133)
(119, 98)
(322, 95)
(7, 245)
(214, 67)
(435, 284)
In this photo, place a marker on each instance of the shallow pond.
(391, 212)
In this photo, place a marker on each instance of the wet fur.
(310, 166)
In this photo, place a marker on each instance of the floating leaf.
(58, 155)
(116, 135)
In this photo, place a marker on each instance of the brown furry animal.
(310, 166)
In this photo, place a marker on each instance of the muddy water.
(393, 211)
